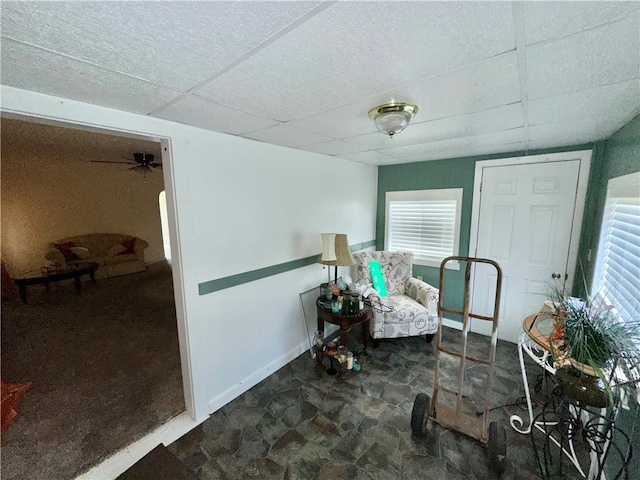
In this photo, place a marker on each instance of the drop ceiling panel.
(476, 150)
(31, 68)
(616, 101)
(288, 136)
(203, 113)
(484, 85)
(336, 147)
(346, 121)
(177, 44)
(573, 133)
(602, 55)
(465, 144)
(546, 20)
(371, 158)
(364, 48)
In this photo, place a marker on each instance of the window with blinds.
(425, 222)
(617, 273)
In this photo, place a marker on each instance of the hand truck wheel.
(497, 446)
(419, 414)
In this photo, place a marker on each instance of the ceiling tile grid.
(335, 147)
(203, 113)
(177, 44)
(606, 54)
(355, 49)
(305, 74)
(546, 20)
(576, 132)
(32, 68)
(287, 136)
(371, 157)
(615, 101)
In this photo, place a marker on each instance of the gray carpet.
(105, 368)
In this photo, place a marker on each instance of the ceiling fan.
(143, 162)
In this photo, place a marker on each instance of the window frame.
(436, 194)
(619, 189)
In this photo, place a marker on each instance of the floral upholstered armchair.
(411, 305)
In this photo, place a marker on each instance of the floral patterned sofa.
(411, 305)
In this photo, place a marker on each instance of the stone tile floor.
(294, 425)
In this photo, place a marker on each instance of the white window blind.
(617, 273)
(425, 222)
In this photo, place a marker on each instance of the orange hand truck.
(473, 425)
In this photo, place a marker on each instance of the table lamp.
(336, 252)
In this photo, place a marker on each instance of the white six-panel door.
(527, 218)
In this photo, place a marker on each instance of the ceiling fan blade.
(156, 165)
(110, 161)
(137, 158)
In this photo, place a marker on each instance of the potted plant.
(594, 349)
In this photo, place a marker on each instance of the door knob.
(555, 276)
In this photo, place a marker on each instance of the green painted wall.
(454, 173)
(450, 173)
(617, 156)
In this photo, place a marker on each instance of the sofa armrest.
(140, 244)
(139, 247)
(424, 294)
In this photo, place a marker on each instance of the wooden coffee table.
(39, 277)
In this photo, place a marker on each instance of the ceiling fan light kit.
(392, 118)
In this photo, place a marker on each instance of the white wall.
(239, 205)
(261, 205)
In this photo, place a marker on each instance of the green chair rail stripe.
(218, 284)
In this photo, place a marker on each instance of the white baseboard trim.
(448, 322)
(256, 377)
(118, 463)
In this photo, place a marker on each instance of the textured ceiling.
(487, 77)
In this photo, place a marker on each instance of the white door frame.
(174, 233)
(584, 156)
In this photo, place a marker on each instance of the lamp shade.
(328, 248)
(335, 250)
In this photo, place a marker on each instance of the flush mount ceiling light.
(392, 118)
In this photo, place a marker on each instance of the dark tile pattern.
(294, 425)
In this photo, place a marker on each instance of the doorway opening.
(107, 362)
